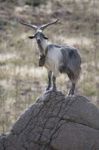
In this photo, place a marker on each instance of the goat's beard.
(42, 60)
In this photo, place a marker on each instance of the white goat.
(56, 58)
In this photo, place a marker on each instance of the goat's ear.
(45, 37)
(31, 37)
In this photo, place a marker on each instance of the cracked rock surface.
(55, 122)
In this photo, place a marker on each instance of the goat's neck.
(43, 46)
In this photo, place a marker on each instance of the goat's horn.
(29, 25)
(48, 24)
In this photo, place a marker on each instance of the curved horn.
(48, 24)
(29, 25)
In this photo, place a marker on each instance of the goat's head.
(39, 30)
(40, 38)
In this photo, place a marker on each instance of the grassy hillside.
(21, 80)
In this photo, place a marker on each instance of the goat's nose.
(38, 40)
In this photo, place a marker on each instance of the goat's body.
(53, 59)
(63, 59)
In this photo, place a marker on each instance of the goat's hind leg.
(54, 83)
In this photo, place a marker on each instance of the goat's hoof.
(71, 93)
(50, 90)
(47, 90)
(53, 89)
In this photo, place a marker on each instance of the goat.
(56, 58)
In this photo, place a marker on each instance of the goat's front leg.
(49, 80)
(71, 92)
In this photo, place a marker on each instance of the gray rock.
(55, 122)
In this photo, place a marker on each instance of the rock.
(55, 122)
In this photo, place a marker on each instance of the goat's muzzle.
(38, 41)
(42, 60)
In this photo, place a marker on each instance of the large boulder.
(55, 122)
